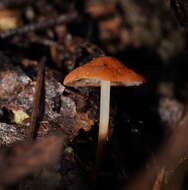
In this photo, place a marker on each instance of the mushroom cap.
(103, 68)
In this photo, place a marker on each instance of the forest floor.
(40, 43)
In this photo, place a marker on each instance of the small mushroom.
(104, 71)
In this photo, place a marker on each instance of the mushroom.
(104, 71)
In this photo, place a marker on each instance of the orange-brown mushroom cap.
(103, 68)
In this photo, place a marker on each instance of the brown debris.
(171, 111)
(97, 9)
(10, 134)
(22, 160)
(40, 25)
(110, 28)
(27, 63)
(10, 3)
(83, 122)
(170, 157)
(9, 19)
(11, 81)
(60, 111)
(13, 114)
(159, 180)
(181, 11)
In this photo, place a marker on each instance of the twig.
(66, 18)
(37, 98)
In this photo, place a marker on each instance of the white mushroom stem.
(104, 110)
(103, 123)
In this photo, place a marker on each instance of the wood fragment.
(37, 98)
